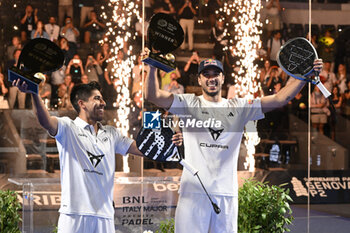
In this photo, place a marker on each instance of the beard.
(212, 94)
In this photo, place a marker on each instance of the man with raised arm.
(87, 160)
(213, 150)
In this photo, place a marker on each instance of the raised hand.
(318, 65)
(22, 86)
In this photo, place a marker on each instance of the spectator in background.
(93, 29)
(109, 92)
(273, 46)
(341, 78)
(191, 70)
(346, 106)
(93, 69)
(319, 110)
(273, 11)
(45, 92)
(86, 7)
(57, 78)
(137, 74)
(174, 87)
(67, 50)
(271, 81)
(69, 32)
(16, 44)
(213, 6)
(39, 32)
(84, 79)
(28, 22)
(219, 38)
(164, 6)
(75, 69)
(64, 91)
(65, 8)
(14, 93)
(327, 76)
(166, 77)
(52, 29)
(3, 91)
(186, 15)
(337, 99)
(68, 84)
(313, 40)
(265, 71)
(103, 56)
(348, 85)
(138, 29)
(326, 48)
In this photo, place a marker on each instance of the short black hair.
(82, 92)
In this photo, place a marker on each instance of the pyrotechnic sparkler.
(245, 40)
(119, 15)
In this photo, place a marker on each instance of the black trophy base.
(159, 62)
(33, 83)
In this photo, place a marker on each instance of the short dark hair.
(82, 92)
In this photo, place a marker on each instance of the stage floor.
(325, 218)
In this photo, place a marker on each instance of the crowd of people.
(95, 66)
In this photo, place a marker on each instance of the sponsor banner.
(141, 203)
(325, 186)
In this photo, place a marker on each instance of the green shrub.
(263, 208)
(9, 216)
(167, 226)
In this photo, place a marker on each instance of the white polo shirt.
(214, 149)
(87, 163)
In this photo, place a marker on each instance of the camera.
(76, 61)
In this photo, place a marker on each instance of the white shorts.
(71, 223)
(195, 214)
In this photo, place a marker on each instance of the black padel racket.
(296, 58)
(156, 144)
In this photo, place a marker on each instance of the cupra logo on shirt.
(215, 133)
(95, 159)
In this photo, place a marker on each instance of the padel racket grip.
(324, 90)
(188, 167)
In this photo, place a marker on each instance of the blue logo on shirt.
(151, 120)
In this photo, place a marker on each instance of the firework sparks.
(119, 15)
(245, 16)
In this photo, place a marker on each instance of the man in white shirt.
(273, 46)
(52, 29)
(213, 150)
(87, 160)
(70, 32)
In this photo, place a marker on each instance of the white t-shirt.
(53, 31)
(87, 163)
(214, 150)
(275, 47)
